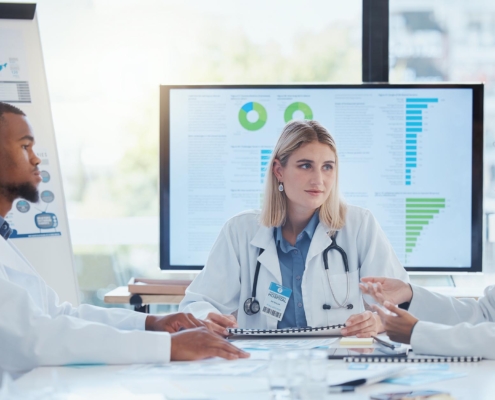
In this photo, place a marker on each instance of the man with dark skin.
(77, 334)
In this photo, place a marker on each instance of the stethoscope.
(252, 306)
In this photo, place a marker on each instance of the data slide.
(395, 151)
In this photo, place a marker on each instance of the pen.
(341, 389)
(384, 343)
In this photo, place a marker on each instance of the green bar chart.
(420, 212)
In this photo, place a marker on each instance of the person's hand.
(196, 344)
(172, 323)
(386, 289)
(219, 323)
(398, 323)
(363, 325)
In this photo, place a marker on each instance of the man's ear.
(278, 170)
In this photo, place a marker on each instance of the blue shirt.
(5, 230)
(292, 261)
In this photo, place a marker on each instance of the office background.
(105, 59)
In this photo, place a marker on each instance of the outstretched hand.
(398, 323)
(386, 289)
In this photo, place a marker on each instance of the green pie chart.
(298, 106)
(262, 116)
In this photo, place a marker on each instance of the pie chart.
(297, 106)
(243, 116)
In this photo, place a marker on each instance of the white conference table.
(119, 382)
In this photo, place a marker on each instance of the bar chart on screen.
(396, 158)
(416, 127)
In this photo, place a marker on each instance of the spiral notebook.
(333, 330)
(411, 358)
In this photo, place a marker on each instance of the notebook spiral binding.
(241, 331)
(415, 359)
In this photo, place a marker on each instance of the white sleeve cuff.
(153, 347)
(140, 321)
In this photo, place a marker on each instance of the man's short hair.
(8, 108)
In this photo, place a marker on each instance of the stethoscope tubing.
(333, 246)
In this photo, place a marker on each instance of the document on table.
(369, 373)
(283, 344)
(207, 367)
(424, 374)
(200, 388)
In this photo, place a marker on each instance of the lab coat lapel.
(269, 259)
(320, 242)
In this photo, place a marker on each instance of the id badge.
(276, 301)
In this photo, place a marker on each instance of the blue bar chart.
(414, 127)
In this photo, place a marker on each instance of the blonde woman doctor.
(298, 261)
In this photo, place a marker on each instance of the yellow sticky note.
(354, 341)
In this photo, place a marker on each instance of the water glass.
(315, 385)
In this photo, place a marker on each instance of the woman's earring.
(281, 187)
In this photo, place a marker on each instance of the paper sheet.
(200, 388)
(371, 372)
(283, 344)
(14, 77)
(198, 368)
(412, 377)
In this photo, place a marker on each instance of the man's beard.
(25, 191)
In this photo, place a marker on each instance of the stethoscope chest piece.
(251, 306)
(329, 307)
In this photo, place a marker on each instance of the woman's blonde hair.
(296, 133)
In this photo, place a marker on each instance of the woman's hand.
(219, 323)
(386, 289)
(362, 325)
(398, 323)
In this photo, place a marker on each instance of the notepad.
(355, 341)
(333, 330)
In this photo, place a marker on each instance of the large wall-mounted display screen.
(411, 154)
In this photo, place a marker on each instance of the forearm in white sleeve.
(30, 338)
(434, 307)
(459, 340)
(119, 318)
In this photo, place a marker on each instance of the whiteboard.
(41, 230)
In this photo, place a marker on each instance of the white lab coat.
(453, 327)
(227, 278)
(35, 330)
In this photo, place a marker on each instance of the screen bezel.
(477, 163)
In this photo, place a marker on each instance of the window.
(104, 62)
(452, 41)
